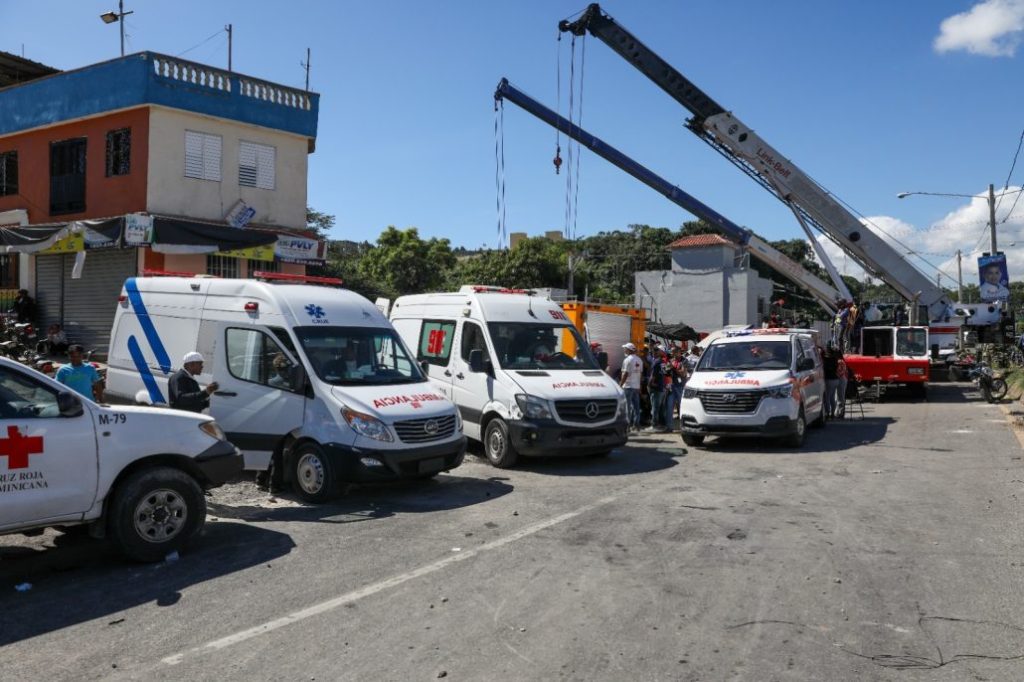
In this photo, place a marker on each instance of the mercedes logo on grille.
(729, 397)
(592, 410)
(431, 427)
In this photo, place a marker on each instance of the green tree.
(406, 264)
(533, 263)
(318, 223)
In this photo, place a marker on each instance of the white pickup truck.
(136, 474)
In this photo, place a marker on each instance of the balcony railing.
(225, 81)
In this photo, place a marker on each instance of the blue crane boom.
(825, 294)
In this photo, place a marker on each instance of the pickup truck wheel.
(155, 512)
(314, 476)
(796, 439)
(498, 446)
(692, 440)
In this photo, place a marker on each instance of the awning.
(34, 238)
(176, 235)
(674, 332)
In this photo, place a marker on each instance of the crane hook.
(558, 159)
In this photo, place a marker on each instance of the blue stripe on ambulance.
(153, 337)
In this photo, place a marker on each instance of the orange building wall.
(104, 197)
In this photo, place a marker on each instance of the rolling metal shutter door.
(48, 290)
(90, 302)
(611, 331)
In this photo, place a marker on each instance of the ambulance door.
(48, 463)
(255, 403)
(435, 349)
(472, 391)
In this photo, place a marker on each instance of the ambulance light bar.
(297, 279)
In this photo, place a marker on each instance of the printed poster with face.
(994, 282)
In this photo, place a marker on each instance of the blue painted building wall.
(132, 81)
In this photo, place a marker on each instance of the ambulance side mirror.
(69, 405)
(602, 360)
(476, 360)
(297, 378)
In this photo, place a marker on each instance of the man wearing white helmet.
(184, 391)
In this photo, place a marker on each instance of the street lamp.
(119, 15)
(991, 206)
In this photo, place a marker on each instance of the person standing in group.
(631, 375)
(645, 390)
(80, 376)
(24, 307)
(830, 360)
(184, 391)
(843, 374)
(692, 358)
(679, 377)
(656, 387)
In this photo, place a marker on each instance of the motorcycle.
(993, 388)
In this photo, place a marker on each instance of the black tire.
(796, 439)
(601, 454)
(498, 446)
(155, 512)
(820, 421)
(693, 440)
(997, 391)
(314, 475)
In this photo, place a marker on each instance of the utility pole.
(229, 29)
(307, 69)
(992, 216)
(959, 278)
(120, 17)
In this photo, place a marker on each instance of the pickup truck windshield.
(525, 345)
(356, 356)
(746, 355)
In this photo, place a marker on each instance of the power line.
(200, 44)
(1009, 175)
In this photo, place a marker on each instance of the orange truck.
(609, 324)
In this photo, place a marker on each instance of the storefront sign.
(138, 229)
(73, 243)
(299, 250)
(240, 214)
(264, 253)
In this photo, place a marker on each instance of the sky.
(870, 98)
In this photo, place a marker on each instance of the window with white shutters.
(202, 155)
(256, 165)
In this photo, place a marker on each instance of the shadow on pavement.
(82, 579)
(369, 502)
(639, 456)
(837, 435)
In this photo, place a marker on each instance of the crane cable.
(579, 123)
(499, 169)
(570, 147)
(558, 101)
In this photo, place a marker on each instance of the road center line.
(374, 588)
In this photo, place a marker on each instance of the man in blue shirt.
(81, 377)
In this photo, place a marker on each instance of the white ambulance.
(523, 378)
(134, 473)
(763, 383)
(311, 378)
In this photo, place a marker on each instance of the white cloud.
(965, 228)
(991, 28)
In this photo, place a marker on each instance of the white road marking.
(374, 588)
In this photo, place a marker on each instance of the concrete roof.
(700, 241)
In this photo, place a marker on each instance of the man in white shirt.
(629, 378)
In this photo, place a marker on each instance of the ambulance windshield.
(746, 355)
(524, 345)
(353, 356)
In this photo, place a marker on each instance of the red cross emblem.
(17, 448)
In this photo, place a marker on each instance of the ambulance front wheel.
(314, 475)
(498, 445)
(156, 511)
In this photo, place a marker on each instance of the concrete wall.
(706, 300)
(170, 192)
(196, 263)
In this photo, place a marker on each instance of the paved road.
(888, 548)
